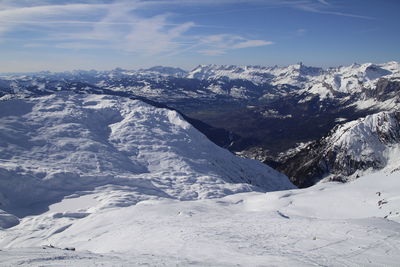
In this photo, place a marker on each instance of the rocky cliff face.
(385, 89)
(350, 149)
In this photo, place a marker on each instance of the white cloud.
(46, 12)
(149, 35)
(328, 9)
(153, 36)
(221, 43)
(313, 6)
(324, 2)
(114, 25)
(12, 17)
(251, 43)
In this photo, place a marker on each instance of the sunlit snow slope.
(331, 224)
(59, 145)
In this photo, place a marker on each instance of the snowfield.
(88, 180)
(326, 225)
(67, 143)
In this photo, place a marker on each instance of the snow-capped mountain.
(357, 82)
(167, 71)
(96, 178)
(345, 79)
(124, 150)
(269, 110)
(156, 72)
(256, 74)
(291, 75)
(349, 151)
(246, 83)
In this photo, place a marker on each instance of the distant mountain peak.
(173, 71)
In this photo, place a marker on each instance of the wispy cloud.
(324, 2)
(323, 7)
(120, 24)
(45, 11)
(11, 17)
(221, 43)
(152, 36)
(116, 25)
(313, 6)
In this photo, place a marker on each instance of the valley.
(201, 133)
(118, 169)
(258, 112)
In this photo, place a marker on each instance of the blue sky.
(103, 34)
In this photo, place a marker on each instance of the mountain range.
(117, 168)
(266, 113)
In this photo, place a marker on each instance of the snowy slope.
(331, 224)
(125, 150)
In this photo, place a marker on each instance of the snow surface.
(328, 224)
(65, 143)
(102, 180)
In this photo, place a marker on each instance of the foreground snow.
(100, 180)
(326, 225)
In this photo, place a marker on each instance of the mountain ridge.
(66, 143)
(297, 104)
(349, 151)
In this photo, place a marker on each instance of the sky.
(60, 35)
